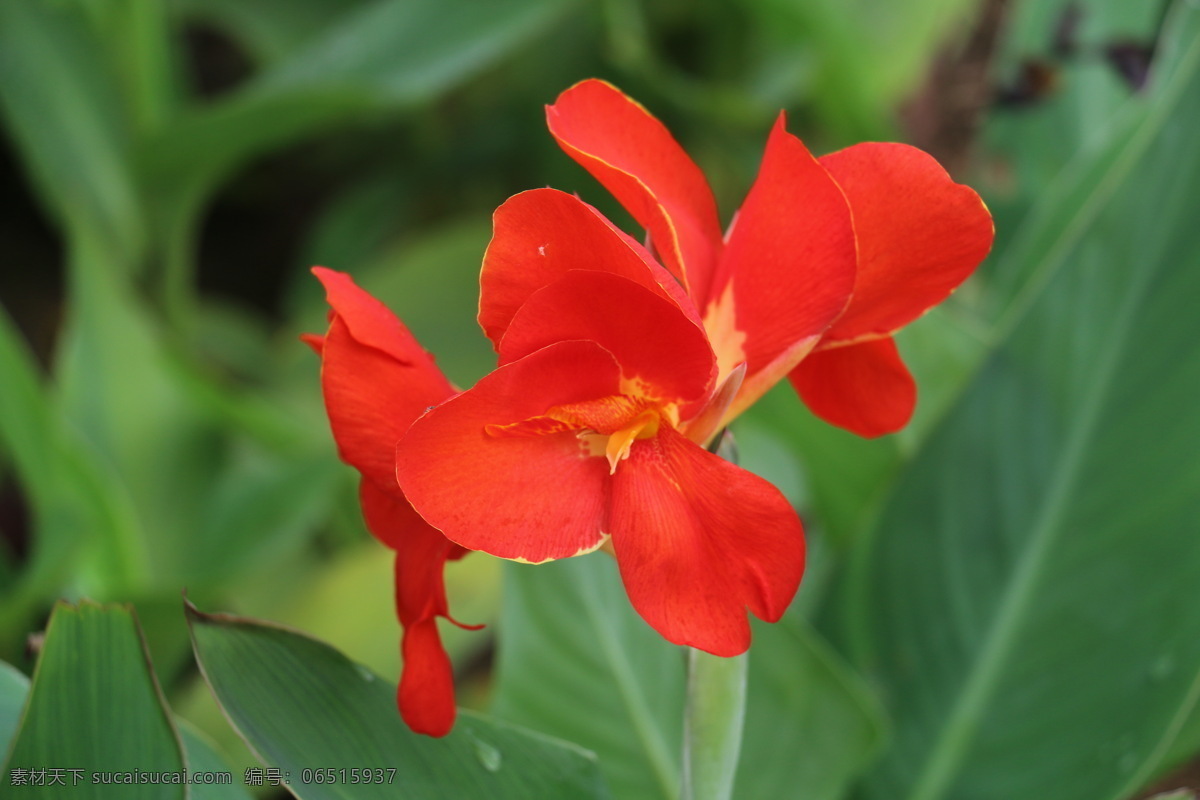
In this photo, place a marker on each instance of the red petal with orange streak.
(919, 233)
(540, 235)
(652, 340)
(864, 388)
(515, 496)
(376, 380)
(637, 159)
(426, 692)
(699, 541)
(790, 258)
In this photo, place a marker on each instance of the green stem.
(712, 724)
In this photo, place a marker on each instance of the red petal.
(919, 233)
(699, 540)
(371, 398)
(539, 236)
(370, 321)
(637, 159)
(528, 497)
(426, 693)
(864, 388)
(655, 343)
(790, 258)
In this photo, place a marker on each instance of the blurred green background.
(171, 170)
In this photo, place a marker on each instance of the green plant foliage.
(576, 661)
(1026, 601)
(203, 757)
(95, 706)
(65, 113)
(14, 688)
(287, 694)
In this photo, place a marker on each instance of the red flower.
(376, 380)
(615, 371)
(826, 259)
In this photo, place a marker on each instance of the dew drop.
(488, 755)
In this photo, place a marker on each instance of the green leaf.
(74, 510)
(301, 704)
(1026, 604)
(202, 756)
(384, 55)
(95, 706)
(577, 662)
(66, 117)
(812, 726)
(14, 689)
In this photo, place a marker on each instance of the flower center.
(607, 426)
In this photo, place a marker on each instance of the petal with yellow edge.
(787, 270)
(635, 157)
(493, 473)
(919, 234)
(540, 235)
(700, 541)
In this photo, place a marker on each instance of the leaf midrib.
(966, 714)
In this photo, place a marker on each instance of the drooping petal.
(699, 541)
(863, 387)
(787, 271)
(538, 236)
(636, 158)
(375, 377)
(426, 693)
(657, 346)
(524, 492)
(919, 234)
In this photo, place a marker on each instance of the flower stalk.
(712, 724)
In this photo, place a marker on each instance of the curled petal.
(864, 387)
(788, 267)
(637, 159)
(699, 541)
(666, 354)
(531, 493)
(919, 234)
(540, 235)
(374, 386)
(426, 693)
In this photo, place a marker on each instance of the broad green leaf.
(1027, 601)
(95, 706)
(301, 705)
(203, 757)
(65, 114)
(14, 689)
(577, 662)
(1059, 132)
(812, 726)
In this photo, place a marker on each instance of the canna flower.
(618, 364)
(376, 379)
